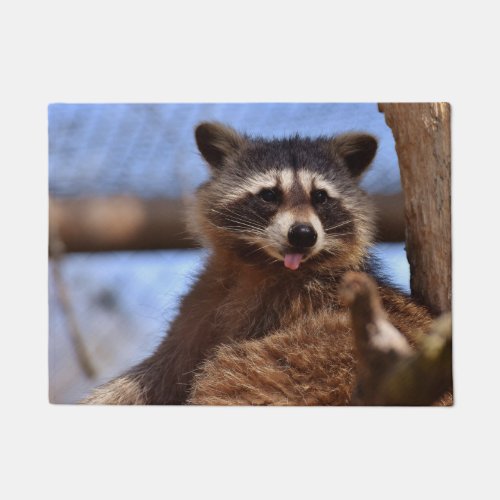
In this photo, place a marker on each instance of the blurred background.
(120, 258)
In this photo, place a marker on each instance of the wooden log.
(422, 135)
(119, 223)
(131, 223)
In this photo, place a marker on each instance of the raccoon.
(285, 219)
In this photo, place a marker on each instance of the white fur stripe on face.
(313, 180)
(306, 179)
(286, 178)
(254, 184)
(282, 223)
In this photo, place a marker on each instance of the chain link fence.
(122, 302)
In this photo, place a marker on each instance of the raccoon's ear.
(216, 142)
(357, 150)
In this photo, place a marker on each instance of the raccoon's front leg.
(163, 378)
(310, 363)
(390, 371)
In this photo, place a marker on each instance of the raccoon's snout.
(302, 236)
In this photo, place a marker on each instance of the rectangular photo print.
(289, 254)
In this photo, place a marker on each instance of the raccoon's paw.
(389, 370)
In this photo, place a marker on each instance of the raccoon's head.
(292, 201)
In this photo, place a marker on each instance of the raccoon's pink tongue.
(292, 260)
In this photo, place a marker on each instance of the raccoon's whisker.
(253, 211)
(222, 227)
(242, 222)
(242, 226)
(341, 224)
(259, 248)
(334, 239)
(256, 214)
(239, 229)
(345, 234)
(354, 219)
(271, 260)
(330, 251)
(241, 214)
(243, 229)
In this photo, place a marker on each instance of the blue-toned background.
(123, 301)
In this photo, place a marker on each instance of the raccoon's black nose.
(302, 235)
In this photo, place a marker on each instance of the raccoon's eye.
(319, 196)
(269, 195)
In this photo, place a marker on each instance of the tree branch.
(389, 371)
(56, 252)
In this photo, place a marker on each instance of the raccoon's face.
(290, 201)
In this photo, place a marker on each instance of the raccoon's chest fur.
(253, 307)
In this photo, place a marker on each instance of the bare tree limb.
(56, 252)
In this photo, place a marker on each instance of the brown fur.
(308, 362)
(252, 331)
